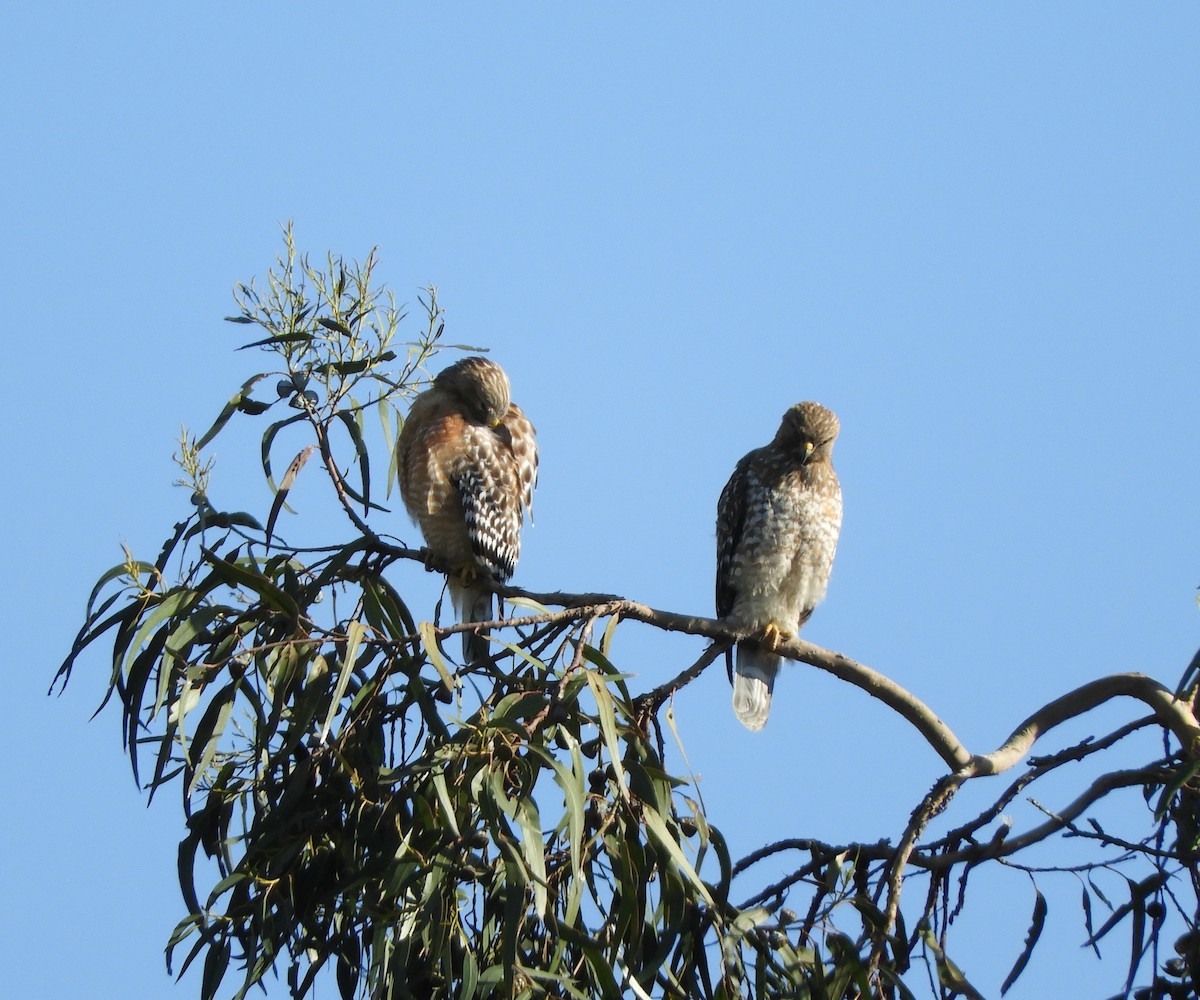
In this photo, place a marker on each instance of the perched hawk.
(777, 528)
(467, 459)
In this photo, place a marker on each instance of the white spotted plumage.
(467, 463)
(778, 521)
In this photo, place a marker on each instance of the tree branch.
(1171, 712)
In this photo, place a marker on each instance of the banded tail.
(753, 682)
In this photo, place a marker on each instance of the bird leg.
(774, 634)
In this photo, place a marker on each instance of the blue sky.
(973, 230)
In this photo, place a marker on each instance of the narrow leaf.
(608, 726)
(1137, 947)
(1031, 938)
(209, 730)
(268, 439)
(429, 639)
(334, 325)
(289, 478)
(1087, 921)
(354, 635)
(443, 794)
(662, 836)
(228, 410)
(283, 338)
(239, 576)
(533, 848)
(364, 461)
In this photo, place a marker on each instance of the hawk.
(467, 462)
(777, 528)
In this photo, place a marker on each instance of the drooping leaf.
(215, 964)
(240, 576)
(533, 850)
(268, 439)
(289, 478)
(209, 730)
(658, 830)
(364, 461)
(1087, 921)
(1137, 931)
(608, 726)
(429, 640)
(1138, 891)
(228, 410)
(1036, 923)
(354, 636)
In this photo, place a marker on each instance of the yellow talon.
(774, 634)
(468, 573)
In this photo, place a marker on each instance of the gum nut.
(311, 396)
(284, 387)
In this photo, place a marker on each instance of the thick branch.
(1173, 713)
(907, 705)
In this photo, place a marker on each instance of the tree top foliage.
(355, 801)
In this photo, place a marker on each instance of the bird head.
(481, 386)
(808, 429)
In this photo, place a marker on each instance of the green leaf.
(607, 638)
(1036, 923)
(176, 602)
(470, 976)
(239, 576)
(209, 730)
(354, 634)
(289, 478)
(657, 828)
(283, 338)
(268, 439)
(1137, 930)
(215, 964)
(364, 461)
(229, 409)
(357, 367)
(332, 324)
(1183, 774)
(382, 605)
(429, 640)
(443, 794)
(533, 848)
(253, 407)
(608, 726)
(950, 976)
(1087, 921)
(573, 786)
(1138, 891)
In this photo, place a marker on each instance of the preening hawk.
(777, 528)
(467, 459)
